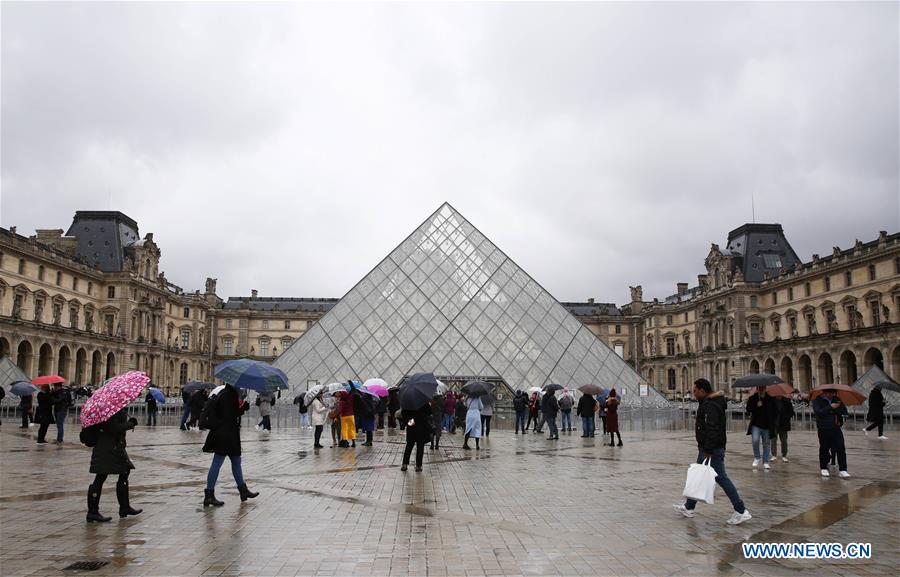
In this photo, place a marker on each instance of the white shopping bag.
(701, 482)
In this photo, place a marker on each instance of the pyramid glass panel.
(448, 301)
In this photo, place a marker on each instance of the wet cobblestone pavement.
(520, 506)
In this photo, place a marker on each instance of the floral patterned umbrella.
(112, 397)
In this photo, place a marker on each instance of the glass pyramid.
(448, 301)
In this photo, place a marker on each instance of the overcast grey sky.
(290, 147)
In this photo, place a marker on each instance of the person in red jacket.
(348, 422)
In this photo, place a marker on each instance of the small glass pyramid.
(448, 301)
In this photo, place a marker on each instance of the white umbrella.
(380, 382)
(535, 390)
(441, 389)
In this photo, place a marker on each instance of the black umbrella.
(417, 390)
(197, 385)
(477, 388)
(552, 388)
(756, 380)
(887, 386)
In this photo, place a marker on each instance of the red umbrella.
(780, 390)
(847, 394)
(47, 380)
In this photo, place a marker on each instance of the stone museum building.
(92, 301)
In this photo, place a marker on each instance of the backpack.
(208, 418)
(90, 435)
(301, 405)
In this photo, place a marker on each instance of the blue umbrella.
(350, 385)
(23, 389)
(158, 395)
(254, 375)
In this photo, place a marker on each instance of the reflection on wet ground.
(520, 506)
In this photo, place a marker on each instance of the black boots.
(124, 506)
(246, 493)
(368, 442)
(209, 498)
(93, 499)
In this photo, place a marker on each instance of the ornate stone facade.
(92, 302)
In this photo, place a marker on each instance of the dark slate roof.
(102, 237)
(311, 305)
(757, 249)
(680, 298)
(592, 309)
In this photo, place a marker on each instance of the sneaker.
(773, 458)
(866, 432)
(844, 475)
(883, 438)
(784, 459)
(755, 463)
(689, 513)
(766, 467)
(825, 472)
(738, 518)
(256, 427)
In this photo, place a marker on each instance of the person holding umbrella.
(26, 406)
(415, 398)
(152, 408)
(185, 407)
(348, 420)
(782, 425)
(195, 408)
(520, 404)
(534, 407)
(473, 422)
(104, 420)
(437, 421)
(875, 415)
(224, 409)
(550, 408)
(762, 410)
(487, 413)
(450, 412)
(43, 415)
(587, 406)
(318, 411)
(62, 400)
(393, 407)
(612, 417)
(830, 412)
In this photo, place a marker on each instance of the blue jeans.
(304, 419)
(760, 435)
(587, 426)
(520, 420)
(185, 411)
(447, 421)
(717, 462)
(566, 419)
(551, 422)
(60, 417)
(266, 423)
(213, 474)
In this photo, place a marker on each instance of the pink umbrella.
(112, 397)
(377, 386)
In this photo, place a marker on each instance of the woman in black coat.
(876, 413)
(418, 431)
(110, 458)
(43, 415)
(224, 412)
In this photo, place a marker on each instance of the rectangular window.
(668, 319)
(90, 288)
(21, 266)
(620, 350)
(229, 345)
(227, 323)
(875, 307)
(790, 293)
(185, 339)
(830, 320)
(754, 333)
(58, 278)
(793, 324)
(41, 273)
(776, 328)
(897, 265)
(871, 272)
(753, 302)
(74, 283)
(264, 348)
(685, 317)
(109, 324)
(772, 260)
(111, 292)
(807, 289)
(287, 325)
(848, 278)
(265, 324)
(774, 297)
(827, 283)
(187, 312)
(851, 317)
(618, 329)
(670, 346)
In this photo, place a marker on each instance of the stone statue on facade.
(885, 315)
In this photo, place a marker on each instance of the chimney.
(253, 293)
(701, 280)
(682, 287)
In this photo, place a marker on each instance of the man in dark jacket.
(587, 405)
(26, 404)
(185, 408)
(763, 410)
(781, 425)
(830, 413)
(43, 415)
(709, 431)
(393, 407)
(62, 400)
(418, 430)
(550, 407)
(520, 404)
(381, 409)
(876, 413)
(223, 412)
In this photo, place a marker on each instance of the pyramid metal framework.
(448, 301)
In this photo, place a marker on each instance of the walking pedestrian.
(318, 411)
(364, 411)
(520, 404)
(437, 421)
(587, 405)
(534, 411)
(109, 457)
(487, 413)
(709, 431)
(549, 409)
(62, 400)
(195, 408)
(303, 410)
(461, 409)
(612, 417)
(393, 407)
(418, 430)
(185, 408)
(473, 422)
(26, 406)
(830, 413)
(875, 415)
(450, 412)
(380, 410)
(334, 419)
(152, 409)
(264, 402)
(43, 416)
(761, 408)
(601, 410)
(224, 412)
(566, 402)
(348, 423)
(784, 412)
